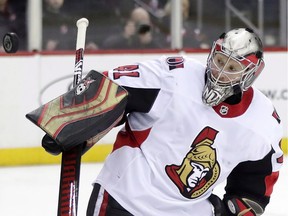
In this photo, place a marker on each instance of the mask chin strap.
(237, 89)
(236, 97)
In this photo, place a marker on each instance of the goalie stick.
(71, 160)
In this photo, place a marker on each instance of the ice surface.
(33, 190)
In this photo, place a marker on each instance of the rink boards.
(31, 79)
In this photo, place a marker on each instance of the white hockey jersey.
(168, 159)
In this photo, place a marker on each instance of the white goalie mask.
(235, 61)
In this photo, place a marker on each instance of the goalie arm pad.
(84, 114)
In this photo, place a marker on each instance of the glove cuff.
(243, 206)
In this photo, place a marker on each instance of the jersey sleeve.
(142, 81)
(250, 184)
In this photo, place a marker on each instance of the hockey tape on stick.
(82, 25)
(71, 160)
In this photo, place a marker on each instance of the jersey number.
(127, 70)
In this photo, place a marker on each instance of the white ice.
(33, 190)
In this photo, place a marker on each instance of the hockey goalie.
(186, 128)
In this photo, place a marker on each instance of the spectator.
(145, 35)
(137, 33)
(123, 41)
(57, 31)
(106, 17)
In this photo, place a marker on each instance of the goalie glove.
(234, 205)
(241, 206)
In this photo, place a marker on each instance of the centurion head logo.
(199, 169)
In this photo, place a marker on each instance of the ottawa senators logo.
(199, 169)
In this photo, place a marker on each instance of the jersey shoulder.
(172, 63)
(264, 103)
(265, 112)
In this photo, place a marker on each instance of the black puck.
(10, 42)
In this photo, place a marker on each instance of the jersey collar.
(226, 110)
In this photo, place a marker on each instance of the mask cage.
(252, 67)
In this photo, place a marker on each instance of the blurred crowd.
(113, 24)
(128, 24)
(12, 19)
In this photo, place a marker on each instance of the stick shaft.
(69, 182)
(71, 160)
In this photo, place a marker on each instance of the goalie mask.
(235, 61)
